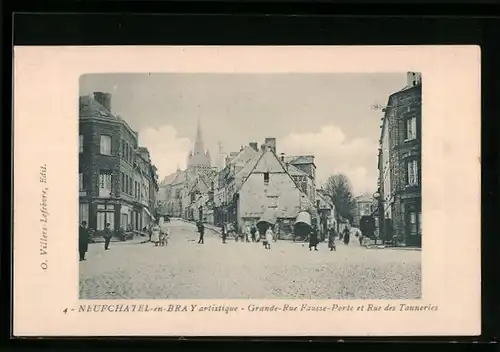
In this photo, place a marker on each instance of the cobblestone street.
(187, 270)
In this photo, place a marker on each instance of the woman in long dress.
(155, 234)
(269, 237)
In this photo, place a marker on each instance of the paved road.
(187, 270)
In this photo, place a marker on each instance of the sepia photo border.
(46, 86)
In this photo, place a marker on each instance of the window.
(123, 148)
(130, 185)
(411, 128)
(266, 178)
(105, 145)
(412, 173)
(122, 181)
(81, 143)
(80, 182)
(84, 213)
(104, 217)
(125, 189)
(413, 223)
(273, 202)
(105, 182)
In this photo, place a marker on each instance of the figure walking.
(313, 239)
(224, 232)
(347, 235)
(253, 232)
(331, 239)
(83, 240)
(107, 236)
(201, 230)
(155, 234)
(269, 238)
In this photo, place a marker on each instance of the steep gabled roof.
(300, 159)
(294, 171)
(267, 161)
(244, 156)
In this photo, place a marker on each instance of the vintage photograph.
(250, 186)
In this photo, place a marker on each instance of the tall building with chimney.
(117, 179)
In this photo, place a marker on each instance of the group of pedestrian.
(158, 236)
(84, 234)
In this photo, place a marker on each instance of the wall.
(253, 198)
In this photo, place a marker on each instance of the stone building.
(400, 173)
(265, 184)
(117, 181)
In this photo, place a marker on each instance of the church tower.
(199, 157)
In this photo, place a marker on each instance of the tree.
(339, 189)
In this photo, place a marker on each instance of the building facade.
(362, 207)
(117, 181)
(400, 175)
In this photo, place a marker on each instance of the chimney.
(254, 146)
(271, 142)
(282, 155)
(413, 79)
(104, 99)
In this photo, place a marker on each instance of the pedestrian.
(83, 240)
(107, 236)
(331, 239)
(276, 231)
(201, 230)
(253, 232)
(224, 232)
(347, 235)
(247, 233)
(313, 239)
(269, 237)
(155, 234)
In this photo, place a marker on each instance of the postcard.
(247, 191)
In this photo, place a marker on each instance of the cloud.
(335, 153)
(167, 150)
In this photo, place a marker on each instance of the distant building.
(362, 207)
(180, 191)
(117, 180)
(400, 202)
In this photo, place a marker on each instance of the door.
(413, 233)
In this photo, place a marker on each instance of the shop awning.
(147, 212)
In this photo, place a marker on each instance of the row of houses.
(253, 181)
(399, 187)
(118, 182)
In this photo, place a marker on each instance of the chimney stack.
(104, 99)
(271, 142)
(282, 155)
(254, 146)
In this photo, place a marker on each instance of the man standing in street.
(107, 236)
(83, 240)
(201, 230)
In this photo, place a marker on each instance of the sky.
(328, 115)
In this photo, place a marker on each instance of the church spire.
(199, 147)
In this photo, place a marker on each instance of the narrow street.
(187, 270)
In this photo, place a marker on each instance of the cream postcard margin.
(46, 89)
